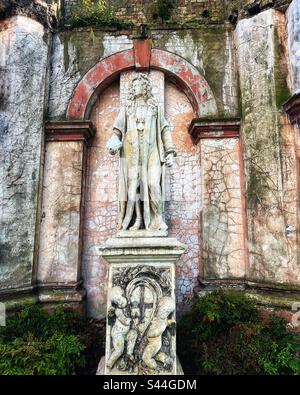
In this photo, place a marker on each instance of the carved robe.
(142, 159)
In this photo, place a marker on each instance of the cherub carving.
(121, 326)
(159, 324)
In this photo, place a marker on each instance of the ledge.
(292, 108)
(70, 131)
(273, 295)
(214, 128)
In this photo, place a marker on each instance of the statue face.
(137, 88)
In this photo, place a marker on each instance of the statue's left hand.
(170, 159)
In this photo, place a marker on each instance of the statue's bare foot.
(150, 362)
(136, 225)
(163, 226)
(110, 364)
(125, 225)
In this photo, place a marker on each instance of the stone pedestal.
(141, 306)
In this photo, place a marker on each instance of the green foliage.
(165, 8)
(224, 333)
(37, 321)
(96, 13)
(58, 355)
(36, 342)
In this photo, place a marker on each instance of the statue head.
(166, 306)
(140, 86)
(117, 297)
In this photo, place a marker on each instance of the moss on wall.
(88, 45)
(205, 48)
(280, 72)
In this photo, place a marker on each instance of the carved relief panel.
(141, 321)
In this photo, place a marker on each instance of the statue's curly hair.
(147, 92)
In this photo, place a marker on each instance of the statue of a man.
(143, 136)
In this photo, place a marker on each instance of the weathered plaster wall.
(73, 54)
(101, 201)
(23, 62)
(223, 215)
(268, 149)
(59, 252)
(184, 205)
(266, 46)
(210, 50)
(293, 30)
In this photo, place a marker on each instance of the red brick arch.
(174, 66)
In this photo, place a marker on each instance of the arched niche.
(108, 70)
(101, 195)
(93, 107)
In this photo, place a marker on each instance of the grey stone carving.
(142, 135)
(141, 317)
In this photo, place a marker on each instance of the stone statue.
(143, 136)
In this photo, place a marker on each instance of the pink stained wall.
(101, 201)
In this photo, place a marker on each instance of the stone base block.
(101, 367)
(141, 322)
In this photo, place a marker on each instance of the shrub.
(224, 333)
(95, 13)
(165, 8)
(36, 342)
(58, 355)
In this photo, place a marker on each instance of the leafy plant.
(58, 355)
(165, 8)
(225, 333)
(96, 13)
(37, 342)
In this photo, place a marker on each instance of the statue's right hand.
(113, 144)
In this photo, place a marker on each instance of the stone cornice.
(214, 128)
(292, 108)
(70, 131)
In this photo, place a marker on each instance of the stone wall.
(210, 50)
(269, 152)
(240, 193)
(183, 11)
(193, 13)
(24, 65)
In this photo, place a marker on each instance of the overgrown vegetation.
(165, 8)
(36, 342)
(96, 13)
(225, 333)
